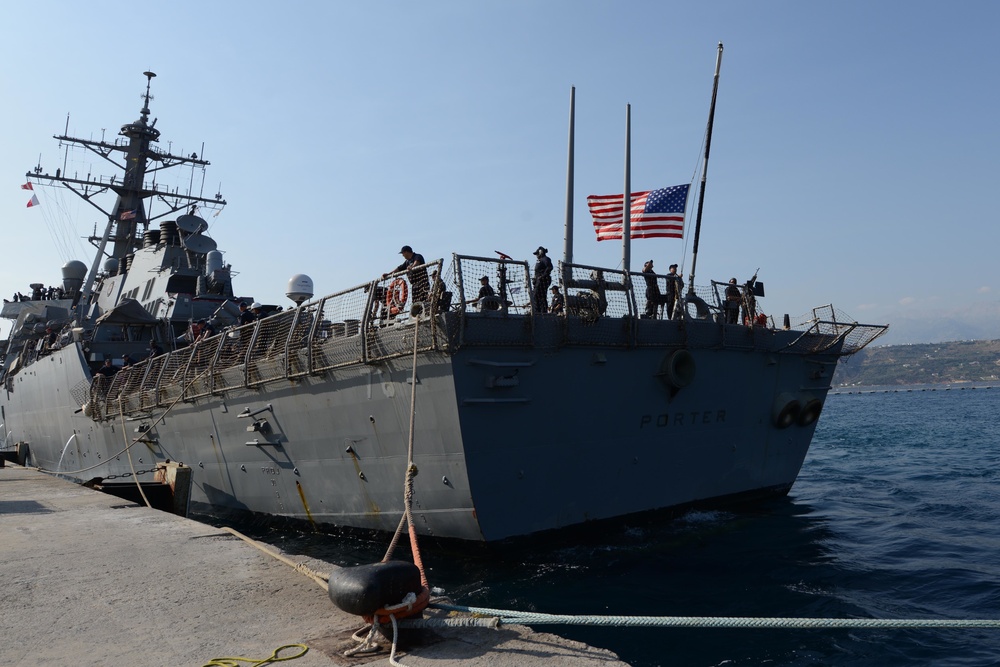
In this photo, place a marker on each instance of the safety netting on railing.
(297, 345)
(115, 387)
(228, 370)
(740, 303)
(600, 307)
(494, 299)
(147, 393)
(96, 405)
(861, 335)
(172, 378)
(389, 328)
(826, 326)
(595, 292)
(337, 339)
(491, 286)
(198, 376)
(131, 383)
(657, 296)
(266, 360)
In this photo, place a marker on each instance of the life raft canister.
(786, 410)
(395, 296)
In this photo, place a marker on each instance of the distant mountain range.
(941, 323)
(921, 363)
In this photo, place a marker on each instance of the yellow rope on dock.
(236, 661)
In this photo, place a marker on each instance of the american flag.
(655, 213)
(127, 215)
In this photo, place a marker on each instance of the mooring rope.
(368, 643)
(128, 450)
(320, 578)
(411, 470)
(511, 617)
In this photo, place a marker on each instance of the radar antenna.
(135, 157)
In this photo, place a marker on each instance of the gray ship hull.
(509, 440)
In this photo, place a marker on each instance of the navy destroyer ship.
(520, 421)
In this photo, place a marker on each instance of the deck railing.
(375, 321)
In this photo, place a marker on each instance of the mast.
(704, 171)
(135, 158)
(568, 239)
(627, 198)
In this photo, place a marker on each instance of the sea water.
(896, 514)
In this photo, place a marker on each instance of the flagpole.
(627, 199)
(568, 239)
(704, 170)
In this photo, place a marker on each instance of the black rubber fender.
(679, 369)
(364, 589)
(811, 407)
(786, 410)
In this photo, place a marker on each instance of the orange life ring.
(401, 610)
(395, 296)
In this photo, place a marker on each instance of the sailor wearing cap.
(245, 316)
(675, 285)
(487, 299)
(418, 276)
(733, 299)
(541, 280)
(653, 296)
(558, 302)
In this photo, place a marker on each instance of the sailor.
(749, 302)
(675, 285)
(541, 280)
(487, 299)
(207, 329)
(438, 291)
(154, 349)
(418, 276)
(108, 369)
(558, 303)
(50, 338)
(733, 299)
(196, 330)
(255, 310)
(245, 317)
(126, 361)
(653, 296)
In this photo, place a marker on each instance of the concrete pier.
(89, 579)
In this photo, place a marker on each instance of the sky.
(855, 156)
